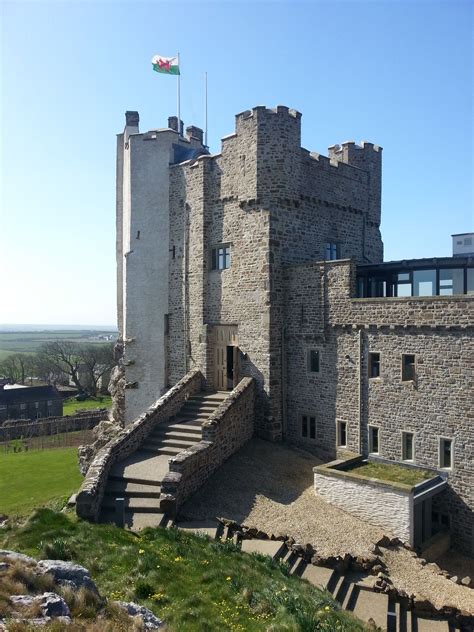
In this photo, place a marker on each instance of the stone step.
(422, 624)
(208, 397)
(200, 527)
(162, 451)
(144, 505)
(370, 605)
(128, 488)
(133, 479)
(179, 426)
(175, 434)
(165, 442)
(200, 405)
(318, 575)
(136, 520)
(291, 559)
(263, 547)
(195, 416)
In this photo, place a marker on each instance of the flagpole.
(205, 135)
(179, 98)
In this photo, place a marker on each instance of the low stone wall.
(384, 504)
(27, 428)
(227, 430)
(89, 497)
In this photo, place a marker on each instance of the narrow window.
(403, 284)
(50, 402)
(313, 361)
(304, 426)
(374, 364)
(408, 367)
(36, 404)
(342, 434)
(312, 427)
(446, 453)
(407, 446)
(373, 439)
(332, 251)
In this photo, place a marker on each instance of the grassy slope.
(70, 406)
(194, 583)
(31, 479)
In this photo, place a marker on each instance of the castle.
(266, 261)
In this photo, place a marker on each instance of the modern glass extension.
(418, 277)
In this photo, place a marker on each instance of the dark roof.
(29, 394)
(444, 262)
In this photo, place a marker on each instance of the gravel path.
(270, 486)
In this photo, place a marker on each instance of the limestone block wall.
(90, 495)
(380, 504)
(227, 430)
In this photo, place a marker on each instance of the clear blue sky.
(397, 73)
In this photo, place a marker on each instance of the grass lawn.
(392, 473)
(31, 479)
(71, 406)
(193, 583)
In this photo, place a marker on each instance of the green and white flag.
(166, 65)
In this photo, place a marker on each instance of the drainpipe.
(360, 385)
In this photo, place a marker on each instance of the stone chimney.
(194, 132)
(173, 124)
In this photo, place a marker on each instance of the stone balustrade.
(89, 497)
(226, 430)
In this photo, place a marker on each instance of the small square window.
(408, 367)
(36, 404)
(342, 434)
(374, 365)
(22, 406)
(220, 257)
(446, 453)
(374, 439)
(313, 360)
(50, 402)
(408, 446)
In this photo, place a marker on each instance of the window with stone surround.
(313, 360)
(342, 434)
(408, 367)
(374, 364)
(220, 257)
(408, 446)
(332, 251)
(446, 453)
(308, 427)
(374, 439)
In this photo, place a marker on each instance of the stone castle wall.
(322, 314)
(275, 204)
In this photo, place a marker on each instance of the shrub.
(143, 589)
(57, 549)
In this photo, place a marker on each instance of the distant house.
(33, 402)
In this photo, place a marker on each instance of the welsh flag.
(167, 65)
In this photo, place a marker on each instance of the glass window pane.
(424, 282)
(403, 276)
(451, 281)
(404, 289)
(470, 280)
(312, 428)
(227, 258)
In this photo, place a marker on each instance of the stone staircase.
(137, 479)
(354, 591)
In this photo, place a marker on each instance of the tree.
(97, 361)
(17, 367)
(62, 357)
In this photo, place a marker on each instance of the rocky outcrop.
(67, 574)
(145, 616)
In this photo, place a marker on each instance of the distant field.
(29, 342)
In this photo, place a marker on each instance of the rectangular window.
(39, 415)
(451, 281)
(374, 365)
(446, 453)
(408, 367)
(50, 402)
(407, 446)
(3, 407)
(332, 251)
(373, 439)
(313, 361)
(22, 406)
(220, 257)
(36, 404)
(308, 427)
(403, 282)
(342, 434)
(424, 283)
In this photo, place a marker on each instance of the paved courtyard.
(270, 486)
